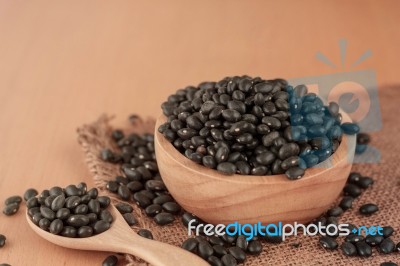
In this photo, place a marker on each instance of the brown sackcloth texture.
(385, 193)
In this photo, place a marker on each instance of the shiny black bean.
(55, 191)
(364, 182)
(336, 211)
(162, 199)
(237, 253)
(124, 208)
(227, 168)
(368, 209)
(69, 231)
(265, 158)
(32, 202)
(363, 249)
(171, 207)
(190, 244)
(269, 138)
(129, 218)
(346, 203)
(13, 199)
(352, 190)
(328, 242)
(30, 193)
(145, 233)
(348, 249)
(228, 260)
(77, 220)
(219, 251)
(294, 173)
(101, 226)
(124, 192)
(271, 122)
(387, 231)
(58, 202)
(354, 238)
(243, 167)
(112, 186)
(47, 213)
(85, 199)
(104, 201)
(153, 209)
(350, 128)
(164, 218)
(254, 247)
(44, 224)
(49, 200)
(81, 209)
(63, 213)
(105, 215)
(56, 226)
(205, 250)
(287, 150)
(92, 217)
(373, 240)
(36, 218)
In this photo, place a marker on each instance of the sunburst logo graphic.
(353, 89)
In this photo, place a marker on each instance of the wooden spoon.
(121, 238)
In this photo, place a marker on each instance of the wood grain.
(218, 198)
(63, 63)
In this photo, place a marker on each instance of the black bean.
(145, 233)
(387, 231)
(2, 240)
(219, 250)
(363, 249)
(13, 199)
(348, 249)
(81, 209)
(350, 128)
(346, 203)
(294, 173)
(110, 261)
(55, 191)
(164, 218)
(63, 213)
(105, 215)
(354, 238)
(131, 174)
(112, 186)
(352, 190)
(241, 242)
(56, 226)
(336, 211)
(44, 224)
(155, 185)
(32, 202)
(129, 218)
(85, 231)
(373, 240)
(47, 213)
(72, 190)
(254, 247)
(214, 261)
(171, 207)
(153, 209)
(30, 193)
(368, 209)
(162, 199)
(187, 217)
(78, 220)
(49, 200)
(288, 150)
(365, 182)
(227, 168)
(69, 231)
(205, 250)
(104, 201)
(92, 217)
(237, 253)
(58, 202)
(141, 199)
(36, 218)
(389, 263)
(328, 242)
(101, 226)
(85, 199)
(124, 208)
(228, 260)
(72, 202)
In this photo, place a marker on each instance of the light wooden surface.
(120, 238)
(217, 198)
(63, 63)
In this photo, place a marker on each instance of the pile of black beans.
(140, 180)
(72, 211)
(253, 126)
(354, 244)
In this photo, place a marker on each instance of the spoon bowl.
(120, 238)
(223, 199)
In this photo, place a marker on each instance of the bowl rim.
(345, 152)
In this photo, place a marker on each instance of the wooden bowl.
(218, 198)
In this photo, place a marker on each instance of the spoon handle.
(158, 253)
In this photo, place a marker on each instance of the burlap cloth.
(298, 250)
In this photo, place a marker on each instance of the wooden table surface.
(63, 63)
